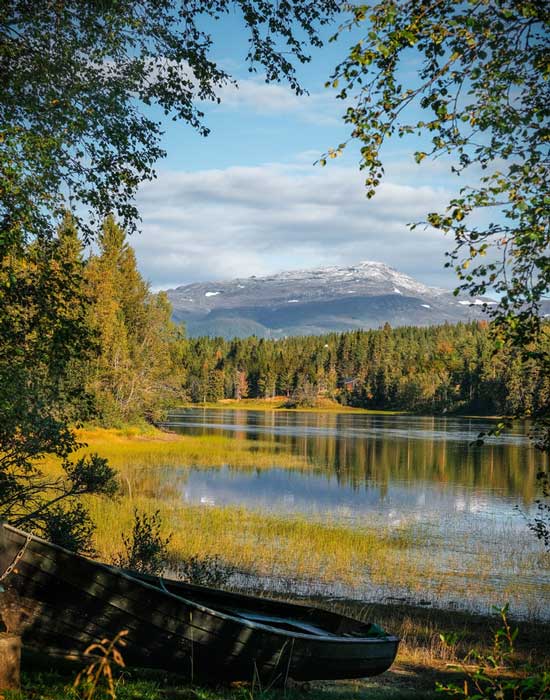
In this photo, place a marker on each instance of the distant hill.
(311, 302)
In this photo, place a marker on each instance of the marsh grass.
(280, 403)
(375, 559)
(264, 544)
(297, 553)
(131, 449)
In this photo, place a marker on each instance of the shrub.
(210, 570)
(145, 549)
(498, 675)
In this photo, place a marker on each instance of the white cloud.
(260, 97)
(255, 95)
(240, 221)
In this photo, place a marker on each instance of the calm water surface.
(395, 465)
(391, 470)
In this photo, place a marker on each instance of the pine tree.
(138, 367)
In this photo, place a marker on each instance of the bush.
(211, 571)
(306, 395)
(498, 676)
(145, 550)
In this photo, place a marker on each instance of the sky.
(248, 199)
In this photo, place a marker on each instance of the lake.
(462, 506)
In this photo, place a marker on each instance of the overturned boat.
(203, 633)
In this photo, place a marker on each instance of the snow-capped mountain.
(304, 302)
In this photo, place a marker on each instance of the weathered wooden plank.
(93, 622)
(154, 607)
(82, 634)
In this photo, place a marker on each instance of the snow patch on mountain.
(310, 301)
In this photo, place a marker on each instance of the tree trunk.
(10, 661)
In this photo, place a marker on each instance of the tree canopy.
(44, 338)
(136, 371)
(77, 81)
(477, 91)
(77, 135)
(453, 368)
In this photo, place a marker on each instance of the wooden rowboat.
(202, 633)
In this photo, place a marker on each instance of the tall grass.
(410, 561)
(297, 553)
(132, 449)
(268, 545)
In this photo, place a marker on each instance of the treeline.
(102, 347)
(136, 371)
(434, 369)
(121, 363)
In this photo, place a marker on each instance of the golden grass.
(266, 544)
(383, 557)
(133, 449)
(278, 403)
(296, 550)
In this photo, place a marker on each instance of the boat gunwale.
(115, 571)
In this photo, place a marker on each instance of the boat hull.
(172, 626)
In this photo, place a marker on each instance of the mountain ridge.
(315, 301)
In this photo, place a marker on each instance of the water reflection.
(390, 454)
(467, 540)
(284, 491)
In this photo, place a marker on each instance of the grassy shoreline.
(151, 447)
(278, 405)
(313, 552)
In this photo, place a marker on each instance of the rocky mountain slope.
(306, 302)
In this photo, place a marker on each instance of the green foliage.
(497, 676)
(77, 82)
(539, 523)
(483, 92)
(430, 370)
(209, 570)
(78, 340)
(136, 370)
(44, 337)
(145, 549)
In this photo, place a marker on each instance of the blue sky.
(247, 199)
